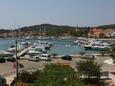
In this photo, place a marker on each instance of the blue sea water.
(5, 43)
(65, 48)
(61, 47)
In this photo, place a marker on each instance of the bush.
(103, 52)
(20, 84)
(54, 55)
(113, 53)
(28, 77)
(90, 70)
(58, 75)
(52, 75)
(2, 60)
(82, 53)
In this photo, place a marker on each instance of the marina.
(55, 46)
(66, 46)
(34, 54)
(57, 43)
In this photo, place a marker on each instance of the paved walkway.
(109, 61)
(10, 78)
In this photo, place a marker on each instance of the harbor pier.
(23, 52)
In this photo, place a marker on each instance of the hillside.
(48, 29)
(52, 30)
(107, 26)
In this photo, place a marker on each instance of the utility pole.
(16, 60)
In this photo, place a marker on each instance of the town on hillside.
(107, 31)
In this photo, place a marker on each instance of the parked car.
(88, 56)
(33, 58)
(46, 57)
(2, 60)
(2, 81)
(67, 57)
(39, 57)
(11, 59)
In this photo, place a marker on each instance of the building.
(95, 33)
(98, 32)
(110, 32)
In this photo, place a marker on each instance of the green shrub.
(58, 75)
(90, 70)
(21, 84)
(82, 53)
(54, 55)
(28, 77)
(51, 75)
(103, 52)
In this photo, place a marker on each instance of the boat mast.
(40, 35)
(19, 36)
(11, 33)
(45, 31)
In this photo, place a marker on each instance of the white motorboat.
(77, 42)
(5, 54)
(33, 51)
(88, 44)
(93, 44)
(46, 44)
(12, 48)
(101, 46)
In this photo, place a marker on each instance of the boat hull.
(87, 48)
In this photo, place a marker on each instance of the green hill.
(54, 30)
(107, 26)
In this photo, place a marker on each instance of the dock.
(23, 52)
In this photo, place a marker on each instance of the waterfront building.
(95, 32)
(110, 32)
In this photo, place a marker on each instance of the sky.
(19, 13)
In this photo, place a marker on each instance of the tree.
(105, 51)
(90, 70)
(113, 53)
(54, 55)
(58, 75)
(82, 53)
(113, 56)
(27, 77)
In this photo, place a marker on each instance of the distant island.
(59, 30)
